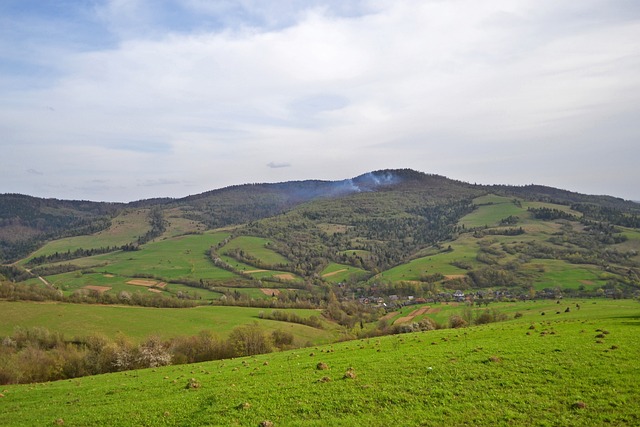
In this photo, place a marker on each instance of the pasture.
(463, 249)
(561, 274)
(336, 273)
(125, 228)
(577, 368)
(184, 257)
(140, 322)
(256, 247)
(491, 209)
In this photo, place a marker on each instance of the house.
(458, 295)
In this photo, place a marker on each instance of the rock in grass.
(350, 374)
(193, 383)
(579, 405)
(265, 423)
(321, 366)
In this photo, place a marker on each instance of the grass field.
(561, 274)
(183, 257)
(256, 247)
(140, 322)
(491, 209)
(125, 228)
(464, 248)
(577, 368)
(336, 273)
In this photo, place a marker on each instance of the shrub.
(249, 340)
(456, 321)
(282, 339)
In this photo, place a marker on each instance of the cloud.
(277, 165)
(34, 172)
(158, 182)
(204, 92)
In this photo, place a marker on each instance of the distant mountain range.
(27, 222)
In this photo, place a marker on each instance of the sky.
(122, 100)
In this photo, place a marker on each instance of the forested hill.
(27, 222)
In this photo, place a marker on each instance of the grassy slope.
(335, 273)
(125, 228)
(256, 247)
(139, 322)
(492, 208)
(498, 374)
(184, 257)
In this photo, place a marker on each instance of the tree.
(248, 340)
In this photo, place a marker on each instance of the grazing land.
(574, 368)
(79, 320)
(511, 306)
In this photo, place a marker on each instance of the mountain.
(386, 228)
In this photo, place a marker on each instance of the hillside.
(392, 232)
(574, 368)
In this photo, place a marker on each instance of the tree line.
(36, 355)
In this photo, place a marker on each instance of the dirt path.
(42, 279)
(389, 315)
(333, 273)
(412, 315)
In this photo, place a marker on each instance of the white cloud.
(461, 88)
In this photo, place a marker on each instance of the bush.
(456, 321)
(249, 340)
(282, 339)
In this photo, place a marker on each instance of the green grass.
(336, 273)
(563, 275)
(185, 257)
(259, 273)
(125, 228)
(498, 374)
(257, 247)
(140, 322)
(463, 249)
(493, 209)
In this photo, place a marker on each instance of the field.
(575, 368)
(125, 228)
(560, 274)
(335, 273)
(491, 209)
(179, 258)
(140, 322)
(464, 249)
(256, 247)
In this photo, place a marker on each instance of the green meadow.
(576, 368)
(336, 273)
(184, 257)
(463, 249)
(561, 274)
(256, 247)
(140, 322)
(491, 209)
(125, 228)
